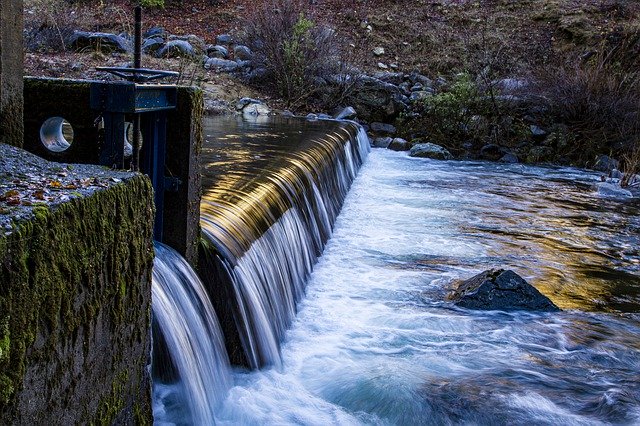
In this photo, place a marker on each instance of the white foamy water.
(375, 341)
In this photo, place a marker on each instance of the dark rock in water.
(500, 290)
(399, 144)
(104, 42)
(381, 142)
(430, 150)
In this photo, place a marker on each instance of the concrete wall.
(75, 294)
(11, 71)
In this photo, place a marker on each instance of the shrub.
(292, 47)
(598, 98)
(152, 3)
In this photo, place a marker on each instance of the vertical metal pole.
(137, 63)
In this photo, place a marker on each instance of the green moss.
(66, 269)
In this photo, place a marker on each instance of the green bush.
(152, 3)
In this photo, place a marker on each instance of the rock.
(430, 150)
(217, 51)
(492, 152)
(154, 32)
(378, 51)
(323, 116)
(616, 174)
(375, 100)
(104, 42)
(311, 117)
(224, 39)
(242, 53)
(383, 66)
(419, 96)
(287, 113)
(348, 113)
(399, 144)
(257, 74)
(220, 64)
(395, 78)
(152, 45)
(509, 158)
(381, 142)
(419, 78)
(196, 42)
(382, 128)
(243, 102)
(537, 132)
(177, 49)
(604, 163)
(500, 290)
(256, 109)
(613, 190)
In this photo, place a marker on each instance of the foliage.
(152, 3)
(598, 98)
(292, 48)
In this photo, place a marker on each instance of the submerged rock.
(430, 150)
(399, 144)
(502, 290)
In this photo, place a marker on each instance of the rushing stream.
(375, 341)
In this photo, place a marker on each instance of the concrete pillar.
(11, 72)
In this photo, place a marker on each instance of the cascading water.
(269, 218)
(185, 317)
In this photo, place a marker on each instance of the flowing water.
(183, 313)
(375, 341)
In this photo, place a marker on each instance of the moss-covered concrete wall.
(11, 69)
(76, 256)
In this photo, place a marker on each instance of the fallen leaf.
(39, 195)
(55, 184)
(14, 201)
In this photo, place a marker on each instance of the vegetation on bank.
(548, 81)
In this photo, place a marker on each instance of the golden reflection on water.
(251, 178)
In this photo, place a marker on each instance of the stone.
(492, 152)
(510, 85)
(348, 113)
(420, 95)
(394, 78)
(500, 290)
(103, 42)
(242, 53)
(537, 132)
(612, 190)
(378, 51)
(382, 66)
(382, 128)
(399, 144)
(256, 109)
(323, 116)
(155, 32)
(224, 65)
(151, 45)
(311, 116)
(430, 150)
(243, 102)
(509, 158)
(224, 39)
(419, 78)
(604, 163)
(381, 142)
(217, 51)
(375, 99)
(196, 42)
(177, 49)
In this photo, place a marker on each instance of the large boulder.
(502, 290)
(177, 49)
(104, 42)
(376, 100)
(430, 150)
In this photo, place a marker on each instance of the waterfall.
(188, 325)
(268, 226)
